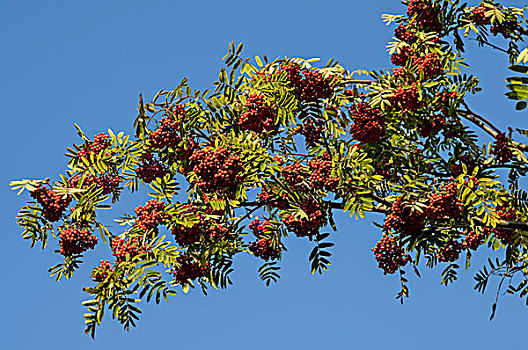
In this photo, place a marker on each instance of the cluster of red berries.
(187, 235)
(123, 249)
(431, 126)
(259, 115)
(406, 98)
(217, 169)
(478, 15)
(75, 241)
(425, 14)
(275, 197)
(500, 149)
(456, 168)
(450, 251)
(445, 203)
(100, 273)
(259, 228)
(404, 34)
(108, 183)
(474, 240)
(151, 215)
(264, 249)
(444, 100)
(403, 218)
(101, 142)
(53, 205)
(505, 213)
(310, 88)
(401, 56)
(399, 73)
(430, 65)
(294, 175)
(368, 123)
(190, 269)
(505, 28)
(168, 132)
(321, 176)
(306, 227)
(150, 168)
(389, 255)
(312, 129)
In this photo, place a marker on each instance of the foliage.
(293, 143)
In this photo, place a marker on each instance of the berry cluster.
(53, 205)
(505, 28)
(150, 168)
(431, 126)
(474, 240)
(368, 123)
(505, 213)
(303, 227)
(445, 203)
(259, 115)
(264, 249)
(108, 183)
(389, 255)
(403, 218)
(190, 269)
(478, 15)
(294, 175)
(101, 142)
(321, 168)
(275, 198)
(217, 170)
(425, 14)
(465, 159)
(124, 250)
(310, 88)
(450, 251)
(168, 132)
(258, 228)
(406, 98)
(75, 241)
(150, 216)
(444, 100)
(401, 56)
(312, 129)
(187, 235)
(430, 65)
(500, 148)
(405, 34)
(100, 273)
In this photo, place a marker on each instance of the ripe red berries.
(53, 205)
(500, 149)
(368, 123)
(218, 170)
(478, 15)
(100, 273)
(123, 249)
(406, 98)
(403, 218)
(150, 168)
(389, 255)
(445, 204)
(450, 251)
(101, 142)
(75, 241)
(306, 227)
(310, 88)
(150, 216)
(189, 270)
(259, 115)
(321, 171)
(264, 249)
(168, 132)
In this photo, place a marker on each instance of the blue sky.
(86, 62)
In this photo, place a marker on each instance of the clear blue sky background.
(86, 61)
